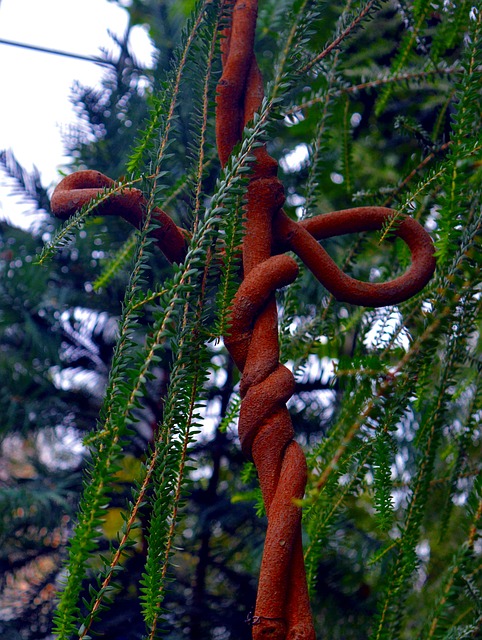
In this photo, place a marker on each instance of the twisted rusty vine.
(265, 429)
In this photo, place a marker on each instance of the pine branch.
(28, 183)
(421, 11)
(353, 24)
(354, 89)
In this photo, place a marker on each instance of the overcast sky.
(35, 105)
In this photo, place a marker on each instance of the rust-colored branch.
(339, 39)
(265, 429)
(77, 190)
(301, 237)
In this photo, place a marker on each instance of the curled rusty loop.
(266, 433)
(265, 429)
(78, 189)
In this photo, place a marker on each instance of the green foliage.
(382, 103)
(465, 143)
(416, 17)
(113, 266)
(66, 234)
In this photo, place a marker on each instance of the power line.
(56, 52)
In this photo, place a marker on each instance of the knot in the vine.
(265, 429)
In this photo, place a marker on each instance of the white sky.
(35, 102)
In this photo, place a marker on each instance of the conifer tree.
(368, 104)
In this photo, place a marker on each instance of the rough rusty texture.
(265, 429)
(77, 190)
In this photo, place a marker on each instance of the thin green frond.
(465, 150)
(113, 266)
(421, 11)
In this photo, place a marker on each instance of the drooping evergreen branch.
(384, 386)
(406, 562)
(352, 449)
(28, 183)
(399, 580)
(106, 441)
(163, 329)
(319, 144)
(160, 122)
(164, 448)
(212, 40)
(447, 302)
(106, 450)
(295, 26)
(353, 24)
(421, 10)
(398, 79)
(453, 579)
(178, 423)
(353, 455)
(464, 137)
(321, 513)
(162, 462)
(113, 266)
(429, 435)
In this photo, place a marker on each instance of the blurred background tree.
(391, 117)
